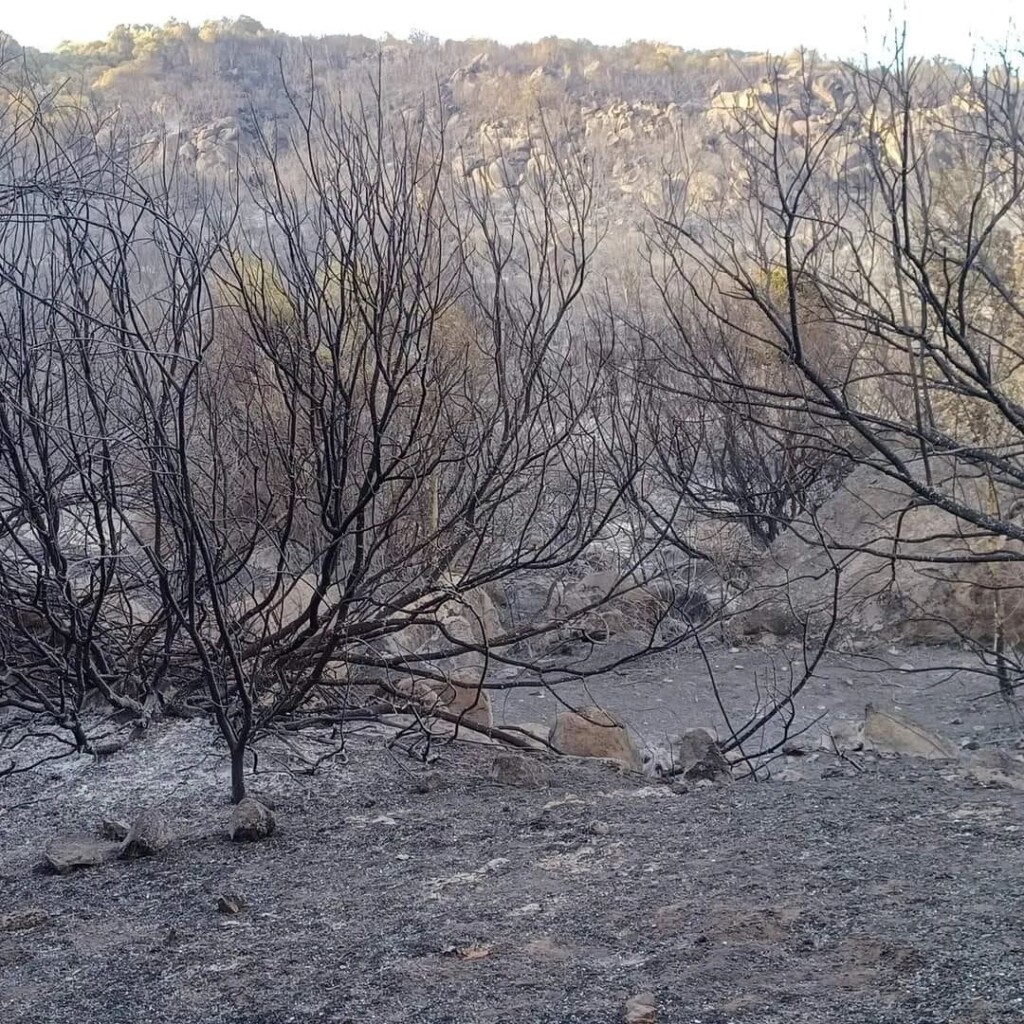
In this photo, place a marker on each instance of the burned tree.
(875, 255)
(274, 446)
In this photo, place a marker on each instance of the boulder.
(73, 852)
(231, 903)
(593, 732)
(409, 691)
(148, 836)
(472, 614)
(469, 616)
(864, 529)
(251, 820)
(535, 733)
(606, 604)
(293, 595)
(890, 733)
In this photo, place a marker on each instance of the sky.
(950, 28)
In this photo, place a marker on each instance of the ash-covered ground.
(862, 889)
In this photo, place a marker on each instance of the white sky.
(837, 28)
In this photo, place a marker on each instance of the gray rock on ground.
(231, 903)
(114, 829)
(148, 836)
(694, 755)
(251, 820)
(640, 1009)
(71, 853)
(23, 920)
(518, 770)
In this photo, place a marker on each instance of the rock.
(889, 733)
(695, 755)
(469, 616)
(517, 770)
(410, 691)
(114, 829)
(251, 820)
(640, 1009)
(593, 732)
(231, 903)
(23, 920)
(606, 604)
(69, 854)
(148, 835)
(462, 695)
(843, 736)
(535, 733)
(996, 769)
(875, 528)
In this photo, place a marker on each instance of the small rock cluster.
(149, 835)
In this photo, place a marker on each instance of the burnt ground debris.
(870, 890)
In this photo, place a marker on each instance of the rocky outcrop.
(895, 556)
(210, 149)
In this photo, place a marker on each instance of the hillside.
(526, 481)
(654, 118)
